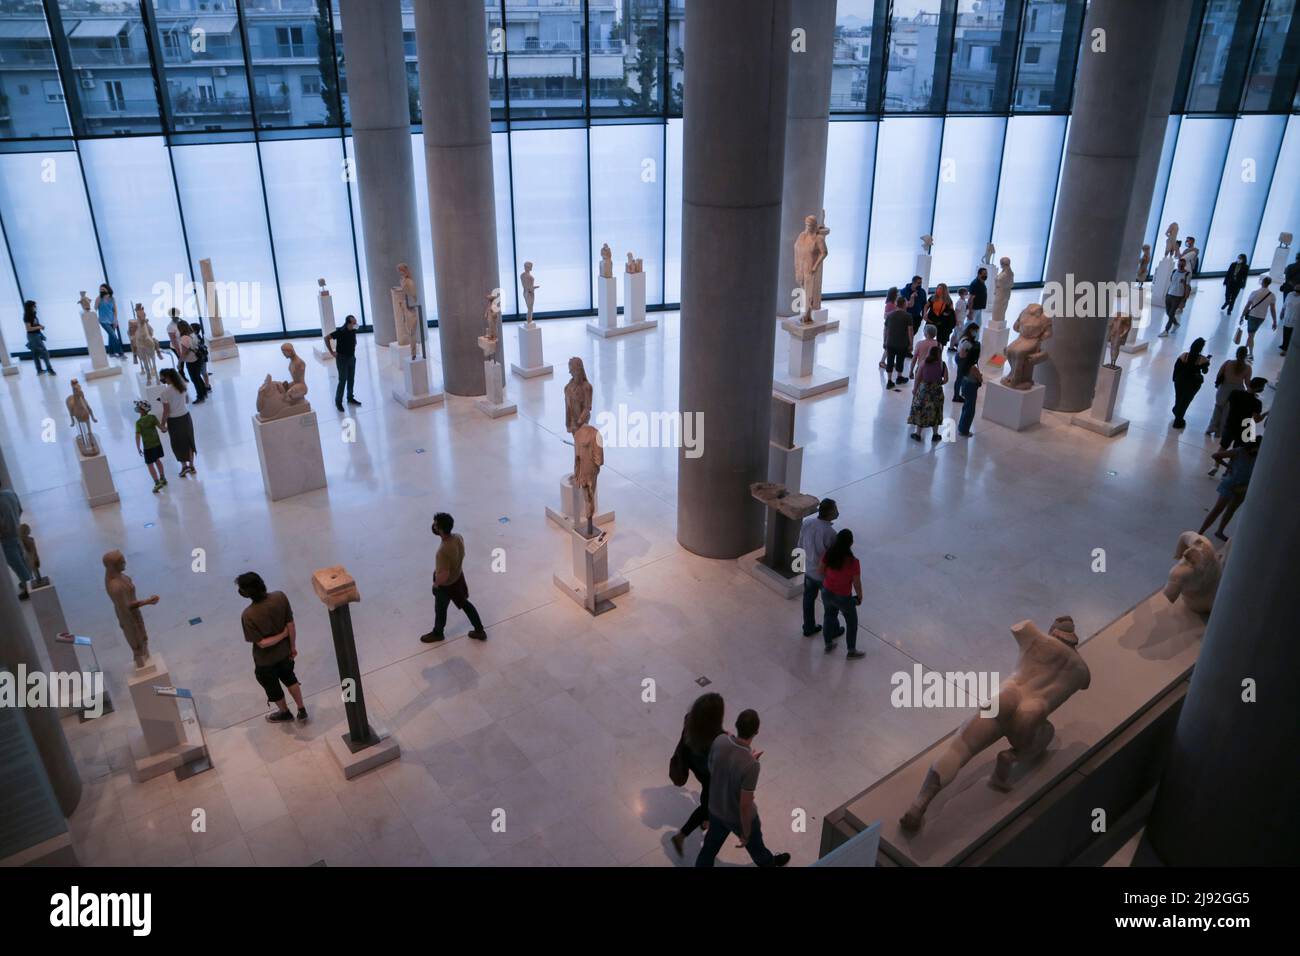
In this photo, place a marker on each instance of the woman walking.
(701, 725)
(1189, 374)
(177, 421)
(36, 338)
(1232, 488)
(106, 307)
(927, 394)
(842, 593)
(1233, 375)
(193, 354)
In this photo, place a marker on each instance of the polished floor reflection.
(547, 720)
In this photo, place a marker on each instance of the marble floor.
(547, 720)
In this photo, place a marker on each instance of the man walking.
(342, 343)
(449, 585)
(815, 536)
(733, 777)
(268, 626)
(1175, 296)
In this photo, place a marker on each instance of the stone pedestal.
(99, 365)
(803, 377)
(1131, 344)
(993, 341)
(50, 619)
(153, 395)
(9, 366)
(414, 390)
(222, 347)
(290, 454)
(530, 364)
(97, 479)
(1101, 418)
(571, 507)
(1012, 407)
(166, 740)
(785, 465)
(1160, 283)
(607, 324)
(382, 748)
(773, 564)
(1277, 270)
(325, 306)
(633, 297)
(495, 404)
(606, 302)
(589, 583)
(923, 262)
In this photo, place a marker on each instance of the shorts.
(153, 454)
(271, 676)
(1253, 324)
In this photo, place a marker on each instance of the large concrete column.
(1230, 792)
(737, 59)
(807, 124)
(451, 39)
(381, 138)
(1098, 183)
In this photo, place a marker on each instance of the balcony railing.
(100, 109)
(188, 104)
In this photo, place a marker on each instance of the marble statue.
(1283, 240)
(81, 415)
(1049, 670)
(1196, 575)
(84, 301)
(1002, 290)
(606, 262)
(989, 251)
(32, 555)
(1171, 240)
(809, 254)
(1144, 263)
(530, 287)
(121, 591)
(212, 297)
(577, 397)
(634, 265)
(282, 399)
(409, 320)
(132, 324)
(492, 318)
(145, 347)
(588, 456)
(927, 243)
(1034, 325)
(1116, 334)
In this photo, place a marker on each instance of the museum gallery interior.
(491, 432)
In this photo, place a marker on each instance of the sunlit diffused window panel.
(425, 225)
(290, 44)
(551, 228)
(1282, 212)
(850, 155)
(1243, 190)
(544, 57)
(51, 238)
(1209, 87)
(626, 57)
(1154, 229)
(203, 57)
(31, 93)
(851, 73)
(968, 185)
(506, 264)
(1194, 180)
(225, 219)
(311, 226)
(1031, 161)
(109, 48)
(627, 196)
(913, 47)
(907, 161)
(130, 182)
(673, 214)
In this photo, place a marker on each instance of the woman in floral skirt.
(927, 394)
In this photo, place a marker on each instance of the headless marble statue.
(81, 415)
(32, 555)
(634, 265)
(809, 254)
(1048, 672)
(282, 399)
(990, 251)
(121, 591)
(588, 456)
(1034, 326)
(145, 347)
(1171, 240)
(1116, 333)
(606, 262)
(1196, 575)
(577, 397)
(1002, 290)
(927, 243)
(1144, 263)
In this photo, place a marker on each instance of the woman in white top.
(921, 351)
(176, 415)
(1262, 304)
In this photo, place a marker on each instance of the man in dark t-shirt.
(1243, 404)
(898, 342)
(268, 626)
(979, 294)
(342, 343)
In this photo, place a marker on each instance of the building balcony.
(108, 109)
(189, 105)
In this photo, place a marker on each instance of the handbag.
(678, 766)
(1236, 339)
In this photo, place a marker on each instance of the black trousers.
(894, 359)
(442, 598)
(347, 369)
(1230, 294)
(1286, 337)
(700, 813)
(271, 676)
(196, 378)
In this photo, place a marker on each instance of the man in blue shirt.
(816, 535)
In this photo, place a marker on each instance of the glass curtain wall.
(138, 137)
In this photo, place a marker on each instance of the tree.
(649, 43)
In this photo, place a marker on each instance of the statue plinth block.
(290, 454)
(153, 394)
(531, 364)
(784, 465)
(415, 391)
(222, 347)
(803, 377)
(1277, 269)
(1101, 418)
(606, 302)
(166, 739)
(923, 263)
(355, 760)
(1013, 408)
(633, 297)
(97, 479)
(1131, 344)
(993, 341)
(590, 584)
(1160, 283)
(495, 405)
(571, 504)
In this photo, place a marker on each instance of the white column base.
(606, 302)
(609, 333)
(222, 347)
(923, 262)
(290, 454)
(803, 377)
(353, 763)
(1277, 269)
(495, 405)
(1101, 418)
(89, 373)
(97, 480)
(785, 465)
(531, 363)
(153, 395)
(1011, 407)
(787, 588)
(633, 297)
(590, 584)
(1160, 283)
(10, 369)
(571, 506)
(415, 391)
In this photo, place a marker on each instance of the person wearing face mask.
(342, 343)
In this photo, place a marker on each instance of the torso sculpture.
(809, 254)
(588, 456)
(1192, 254)
(927, 243)
(577, 397)
(989, 251)
(81, 415)
(1144, 263)
(529, 285)
(282, 399)
(1002, 290)
(145, 346)
(84, 302)
(1116, 333)
(606, 262)
(1034, 325)
(1196, 575)
(409, 320)
(121, 591)
(492, 318)
(1171, 240)
(30, 553)
(1048, 672)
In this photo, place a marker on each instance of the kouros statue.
(492, 318)
(1048, 672)
(606, 262)
(1171, 240)
(1116, 334)
(588, 456)
(927, 243)
(144, 346)
(1144, 263)
(634, 265)
(1196, 575)
(32, 555)
(1002, 290)
(530, 287)
(809, 254)
(409, 319)
(81, 415)
(989, 251)
(121, 591)
(1034, 325)
(577, 397)
(282, 399)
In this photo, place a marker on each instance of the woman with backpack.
(194, 354)
(700, 727)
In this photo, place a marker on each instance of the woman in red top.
(842, 593)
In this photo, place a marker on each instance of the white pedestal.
(1277, 270)
(571, 506)
(222, 347)
(1160, 283)
(49, 618)
(531, 364)
(396, 352)
(1101, 418)
(97, 480)
(633, 297)
(1011, 407)
(7, 363)
(993, 341)
(590, 583)
(495, 404)
(787, 588)
(325, 306)
(606, 302)
(784, 465)
(153, 395)
(803, 376)
(353, 763)
(290, 453)
(923, 262)
(99, 365)
(166, 739)
(414, 390)
(1131, 344)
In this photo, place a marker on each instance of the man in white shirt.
(1175, 296)
(816, 535)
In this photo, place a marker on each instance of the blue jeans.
(811, 588)
(17, 558)
(969, 392)
(837, 604)
(717, 835)
(114, 339)
(36, 345)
